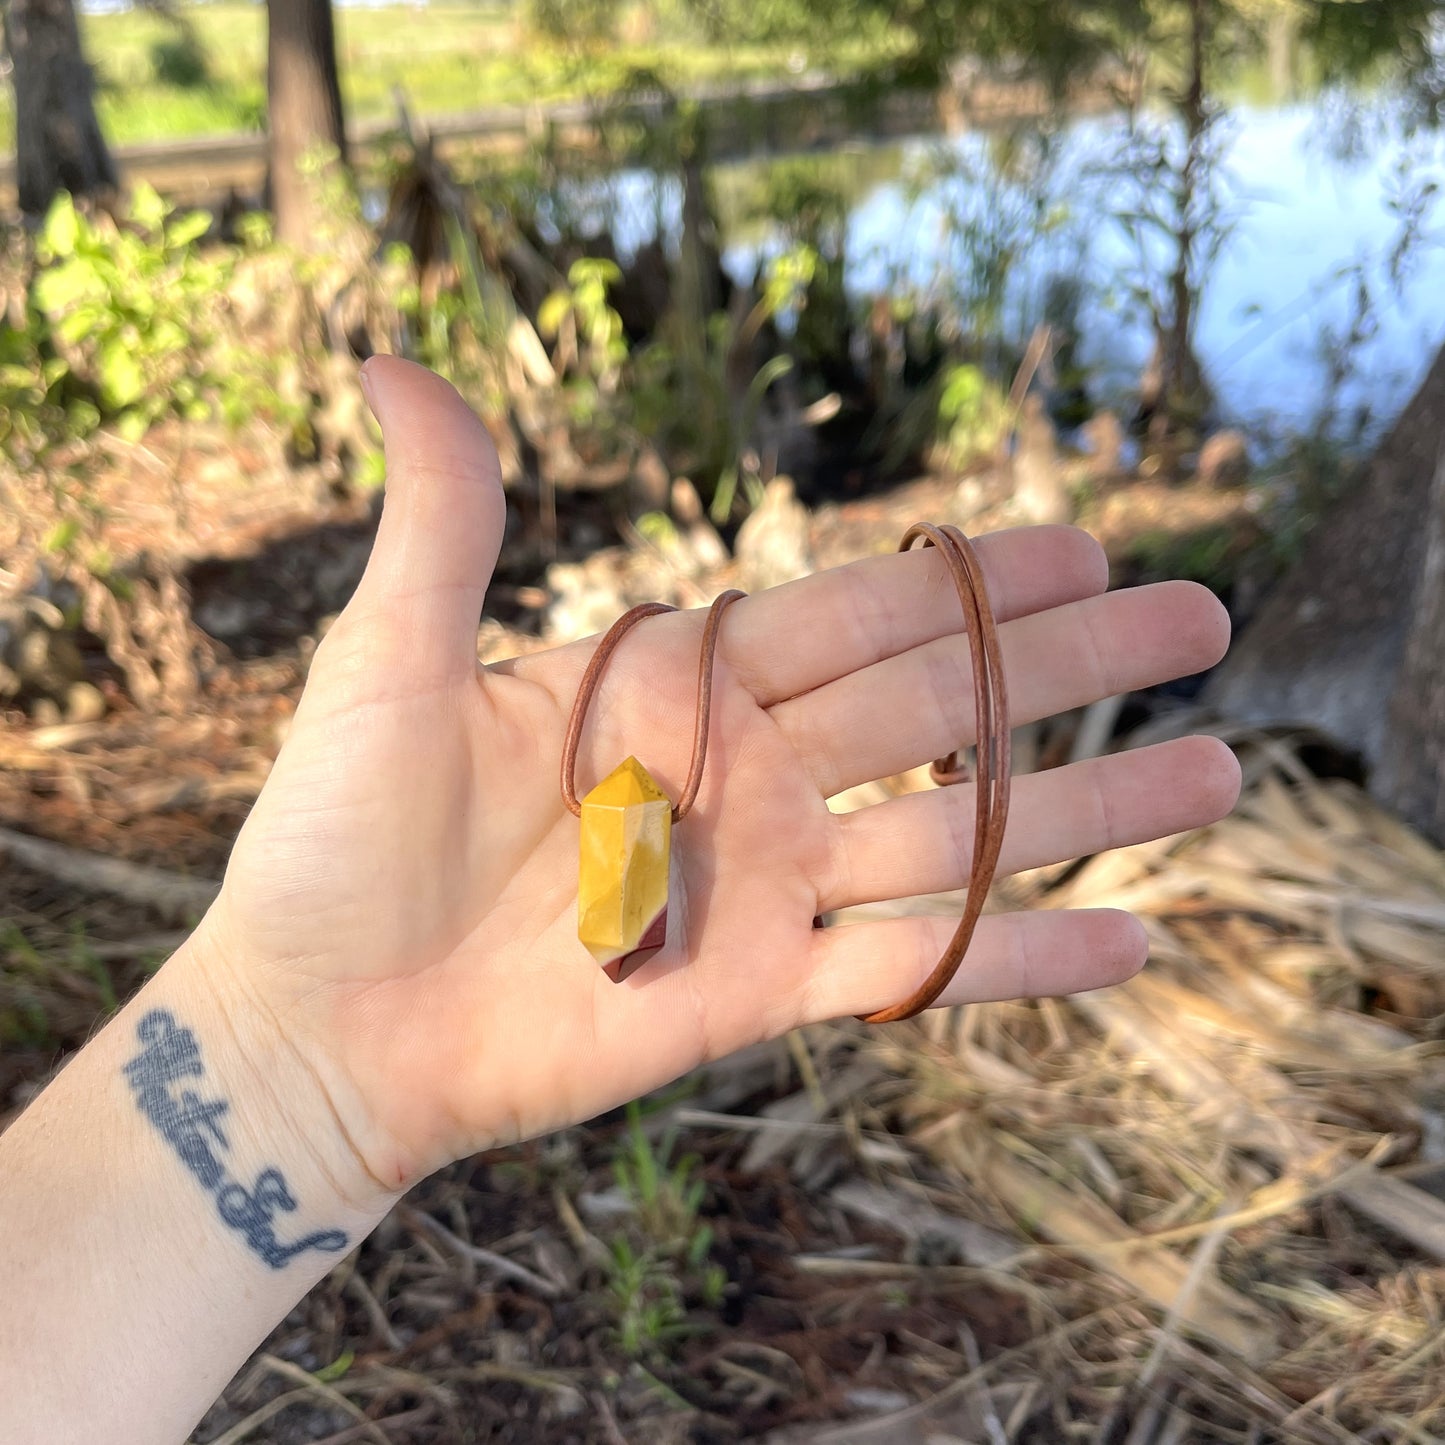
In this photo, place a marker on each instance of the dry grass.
(1216, 1180)
(1206, 1206)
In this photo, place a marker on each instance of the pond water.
(1307, 226)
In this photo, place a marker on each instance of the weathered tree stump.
(1352, 640)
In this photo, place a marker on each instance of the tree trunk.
(58, 143)
(1184, 390)
(304, 110)
(1411, 776)
(1352, 640)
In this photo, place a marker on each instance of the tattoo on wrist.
(191, 1125)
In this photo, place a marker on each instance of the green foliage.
(802, 23)
(592, 346)
(458, 329)
(1000, 203)
(179, 61)
(83, 959)
(24, 1020)
(589, 22)
(665, 1192)
(681, 388)
(1208, 555)
(1300, 484)
(663, 1258)
(742, 469)
(124, 323)
(453, 58)
(646, 1299)
(1378, 40)
(972, 413)
(337, 1369)
(788, 278)
(686, 391)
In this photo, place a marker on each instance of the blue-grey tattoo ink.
(191, 1125)
(251, 1214)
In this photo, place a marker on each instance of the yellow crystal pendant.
(623, 870)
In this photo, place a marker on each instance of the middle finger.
(907, 709)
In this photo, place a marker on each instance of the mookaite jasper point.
(622, 877)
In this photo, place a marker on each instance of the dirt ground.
(876, 1289)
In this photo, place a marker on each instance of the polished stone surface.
(622, 879)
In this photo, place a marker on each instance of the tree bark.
(304, 110)
(1352, 639)
(1184, 390)
(58, 141)
(1411, 776)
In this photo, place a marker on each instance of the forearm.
(162, 1205)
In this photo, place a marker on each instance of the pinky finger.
(861, 967)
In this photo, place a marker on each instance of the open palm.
(403, 898)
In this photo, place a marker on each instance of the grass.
(663, 1255)
(446, 57)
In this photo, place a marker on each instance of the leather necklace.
(627, 819)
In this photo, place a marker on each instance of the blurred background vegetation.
(741, 289)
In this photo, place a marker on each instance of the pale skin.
(391, 978)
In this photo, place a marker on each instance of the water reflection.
(1307, 226)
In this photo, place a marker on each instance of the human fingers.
(923, 842)
(907, 709)
(858, 968)
(791, 639)
(415, 612)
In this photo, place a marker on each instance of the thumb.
(441, 522)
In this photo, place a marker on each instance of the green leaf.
(594, 269)
(337, 1369)
(770, 371)
(60, 537)
(121, 379)
(82, 417)
(132, 425)
(60, 286)
(962, 392)
(256, 230)
(19, 378)
(396, 254)
(167, 337)
(146, 207)
(78, 325)
(553, 312)
(722, 498)
(190, 227)
(62, 226)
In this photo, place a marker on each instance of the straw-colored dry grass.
(1210, 1188)
(1206, 1206)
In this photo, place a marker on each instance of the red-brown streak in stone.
(647, 945)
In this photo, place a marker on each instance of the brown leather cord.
(593, 676)
(992, 753)
(993, 756)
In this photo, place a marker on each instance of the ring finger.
(923, 842)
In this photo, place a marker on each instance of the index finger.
(791, 639)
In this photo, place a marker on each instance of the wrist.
(291, 1117)
(168, 1197)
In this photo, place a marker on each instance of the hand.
(402, 901)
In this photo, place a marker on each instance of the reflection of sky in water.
(1301, 217)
